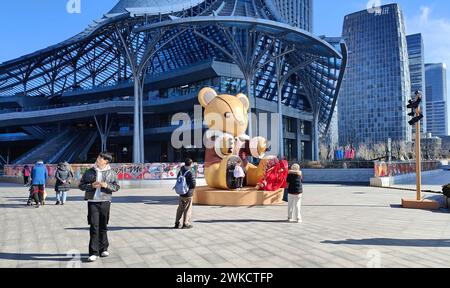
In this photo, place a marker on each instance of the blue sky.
(30, 25)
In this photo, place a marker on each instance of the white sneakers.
(295, 221)
(92, 258)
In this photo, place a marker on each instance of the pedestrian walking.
(64, 176)
(39, 176)
(26, 172)
(186, 194)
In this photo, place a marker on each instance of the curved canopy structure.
(154, 7)
(141, 39)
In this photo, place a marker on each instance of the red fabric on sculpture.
(275, 176)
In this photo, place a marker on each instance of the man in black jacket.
(185, 204)
(99, 183)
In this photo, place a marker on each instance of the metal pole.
(136, 128)
(316, 137)
(250, 125)
(280, 121)
(280, 84)
(418, 158)
(141, 121)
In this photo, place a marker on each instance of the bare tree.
(363, 152)
(323, 150)
(379, 150)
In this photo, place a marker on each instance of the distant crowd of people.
(345, 153)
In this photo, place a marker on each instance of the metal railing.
(58, 106)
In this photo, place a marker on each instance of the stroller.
(33, 196)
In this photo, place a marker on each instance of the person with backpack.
(63, 177)
(185, 188)
(295, 192)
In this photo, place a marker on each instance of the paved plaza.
(344, 226)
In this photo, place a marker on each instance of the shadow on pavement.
(442, 210)
(241, 221)
(393, 242)
(118, 228)
(348, 205)
(39, 257)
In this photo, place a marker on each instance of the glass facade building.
(417, 73)
(436, 102)
(298, 13)
(376, 87)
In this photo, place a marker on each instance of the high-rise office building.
(376, 87)
(436, 102)
(296, 12)
(417, 73)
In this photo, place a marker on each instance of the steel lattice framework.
(280, 62)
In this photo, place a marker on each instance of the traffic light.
(415, 119)
(415, 109)
(414, 104)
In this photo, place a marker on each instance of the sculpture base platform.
(420, 204)
(247, 196)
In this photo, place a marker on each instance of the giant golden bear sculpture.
(226, 141)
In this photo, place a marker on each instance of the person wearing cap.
(99, 183)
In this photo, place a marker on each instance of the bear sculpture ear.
(244, 100)
(206, 95)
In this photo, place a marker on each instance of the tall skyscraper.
(296, 12)
(417, 73)
(436, 102)
(376, 87)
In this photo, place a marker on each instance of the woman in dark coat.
(295, 192)
(63, 177)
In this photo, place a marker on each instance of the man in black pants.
(99, 183)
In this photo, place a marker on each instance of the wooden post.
(418, 203)
(418, 158)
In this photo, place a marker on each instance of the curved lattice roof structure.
(172, 34)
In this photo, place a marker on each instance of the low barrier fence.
(132, 172)
(389, 169)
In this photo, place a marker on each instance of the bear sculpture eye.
(227, 115)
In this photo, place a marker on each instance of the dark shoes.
(57, 203)
(177, 226)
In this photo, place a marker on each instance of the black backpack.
(446, 190)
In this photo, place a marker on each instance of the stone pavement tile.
(228, 240)
(115, 265)
(138, 265)
(174, 259)
(185, 265)
(9, 263)
(213, 258)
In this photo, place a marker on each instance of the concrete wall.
(399, 179)
(338, 176)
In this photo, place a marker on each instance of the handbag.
(285, 195)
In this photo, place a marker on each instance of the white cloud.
(436, 35)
